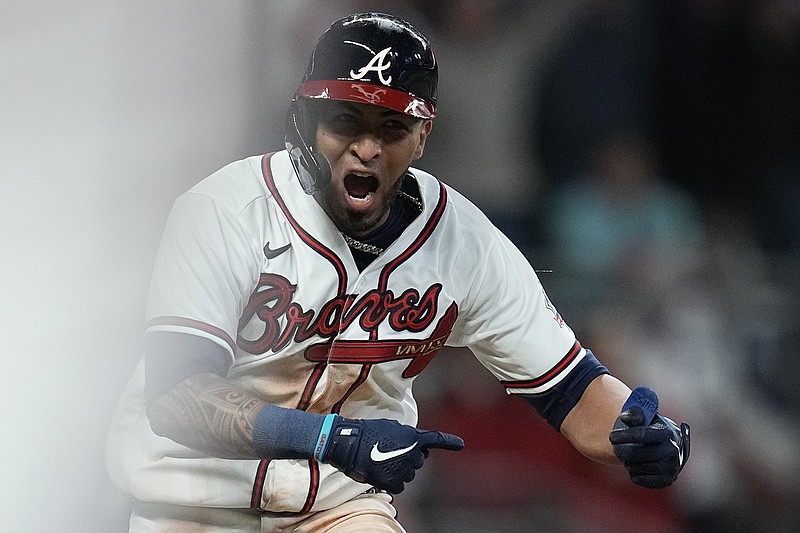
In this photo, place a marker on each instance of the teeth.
(362, 174)
(360, 198)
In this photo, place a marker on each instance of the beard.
(352, 222)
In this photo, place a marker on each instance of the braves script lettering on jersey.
(252, 263)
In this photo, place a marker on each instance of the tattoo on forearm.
(207, 413)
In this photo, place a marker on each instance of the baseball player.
(297, 295)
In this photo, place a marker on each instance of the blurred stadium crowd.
(648, 153)
(645, 152)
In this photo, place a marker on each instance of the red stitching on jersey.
(193, 324)
(362, 377)
(311, 384)
(424, 235)
(258, 485)
(552, 373)
(418, 242)
(420, 351)
(317, 246)
(261, 475)
(285, 320)
(370, 348)
(313, 486)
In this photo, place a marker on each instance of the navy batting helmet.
(368, 58)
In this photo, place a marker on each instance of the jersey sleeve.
(206, 268)
(510, 324)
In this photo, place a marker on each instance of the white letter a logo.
(378, 64)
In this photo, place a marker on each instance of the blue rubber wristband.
(322, 441)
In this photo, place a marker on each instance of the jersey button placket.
(344, 375)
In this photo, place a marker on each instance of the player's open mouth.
(360, 188)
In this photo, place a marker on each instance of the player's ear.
(425, 130)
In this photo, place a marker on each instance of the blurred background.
(648, 153)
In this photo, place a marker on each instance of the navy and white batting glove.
(383, 453)
(653, 448)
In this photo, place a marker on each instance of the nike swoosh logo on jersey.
(272, 254)
(378, 456)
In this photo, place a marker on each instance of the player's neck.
(406, 207)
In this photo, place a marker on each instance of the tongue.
(359, 186)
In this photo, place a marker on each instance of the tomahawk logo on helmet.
(369, 58)
(378, 63)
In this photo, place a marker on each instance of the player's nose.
(366, 146)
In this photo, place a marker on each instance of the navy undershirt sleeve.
(555, 404)
(278, 433)
(172, 357)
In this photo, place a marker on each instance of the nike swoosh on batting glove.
(653, 448)
(383, 453)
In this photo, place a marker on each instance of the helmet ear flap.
(313, 170)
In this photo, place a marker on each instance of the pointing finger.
(439, 439)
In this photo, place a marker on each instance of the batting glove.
(383, 453)
(653, 448)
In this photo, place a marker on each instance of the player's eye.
(396, 125)
(343, 123)
(395, 130)
(346, 118)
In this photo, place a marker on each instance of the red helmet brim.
(368, 93)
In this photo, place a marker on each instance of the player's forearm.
(207, 413)
(589, 423)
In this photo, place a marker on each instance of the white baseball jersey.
(253, 264)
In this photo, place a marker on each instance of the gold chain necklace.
(362, 246)
(411, 199)
(371, 248)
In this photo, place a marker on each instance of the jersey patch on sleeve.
(552, 308)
